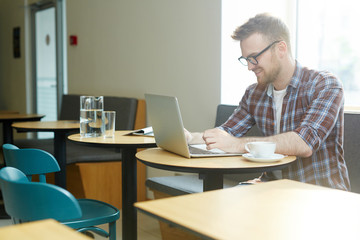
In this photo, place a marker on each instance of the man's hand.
(193, 137)
(217, 138)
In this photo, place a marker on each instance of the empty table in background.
(60, 129)
(9, 118)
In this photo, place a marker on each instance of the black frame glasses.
(252, 59)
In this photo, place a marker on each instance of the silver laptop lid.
(165, 118)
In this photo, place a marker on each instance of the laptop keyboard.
(194, 150)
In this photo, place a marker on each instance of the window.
(323, 34)
(328, 39)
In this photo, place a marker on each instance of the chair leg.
(96, 230)
(112, 230)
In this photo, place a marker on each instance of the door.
(45, 52)
(48, 86)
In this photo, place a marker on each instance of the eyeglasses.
(252, 59)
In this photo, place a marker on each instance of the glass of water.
(108, 124)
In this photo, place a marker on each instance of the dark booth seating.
(352, 148)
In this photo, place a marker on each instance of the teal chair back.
(30, 201)
(30, 161)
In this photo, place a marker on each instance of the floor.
(148, 228)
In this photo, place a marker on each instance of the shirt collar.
(295, 80)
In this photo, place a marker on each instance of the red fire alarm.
(73, 40)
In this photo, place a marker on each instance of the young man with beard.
(302, 110)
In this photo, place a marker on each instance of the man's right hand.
(217, 138)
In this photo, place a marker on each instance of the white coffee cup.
(261, 149)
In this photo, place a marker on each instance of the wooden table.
(40, 230)
(212, 169)
(129, 146)
(60, 129)
(8, 118)
(277, 210)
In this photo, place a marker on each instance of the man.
(298, 108)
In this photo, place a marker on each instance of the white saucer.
(273, 158)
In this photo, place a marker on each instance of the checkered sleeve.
(325, 96)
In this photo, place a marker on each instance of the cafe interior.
(57, 50)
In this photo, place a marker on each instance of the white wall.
(131, 47)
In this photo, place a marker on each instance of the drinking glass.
(108, 124)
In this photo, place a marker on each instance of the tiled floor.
(148, 228)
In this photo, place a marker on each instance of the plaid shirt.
(313, 107)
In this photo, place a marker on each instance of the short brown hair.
(270, 27)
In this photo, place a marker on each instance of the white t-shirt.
(278, 99)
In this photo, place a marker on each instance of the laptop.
(165, 118)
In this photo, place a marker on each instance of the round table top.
(121, 138)
(47, 125)
(159, 158)
(17, 116)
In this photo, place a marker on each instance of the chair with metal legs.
(30, 201)
(38, 162)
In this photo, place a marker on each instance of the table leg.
(7, 132)
(60, 155)
(213, 181)
(129, 194)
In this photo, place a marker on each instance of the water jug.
(91, 109)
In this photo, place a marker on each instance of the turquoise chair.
(30, 161)
(30, 201)
(47, 200)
